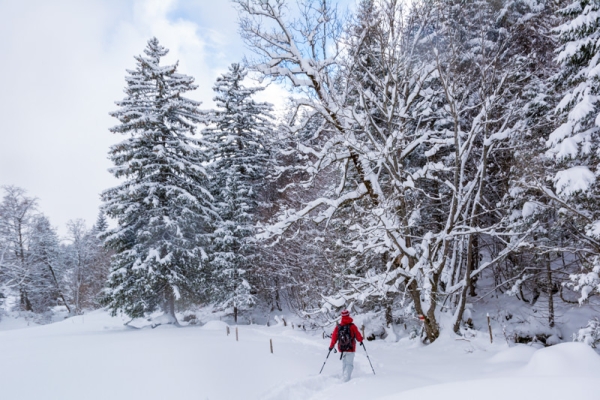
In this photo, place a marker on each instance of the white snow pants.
(347, 366)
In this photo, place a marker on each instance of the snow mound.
(519, 353)
(566, 359)
(302, 389)
(505, 388)
(215, 326)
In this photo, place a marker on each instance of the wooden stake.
(292, 325)
(323, 334)
(271, 343)
(490, 328)
(236, 334)
(284, 323)
(227, 331)
(362, 328)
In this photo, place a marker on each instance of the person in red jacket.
(345, 346)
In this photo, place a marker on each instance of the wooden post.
(227, 331)
(362, 328)
(490, 328)
(284, 323)
(292, 325)
(323, 334)
(236, 334)
(271, 343)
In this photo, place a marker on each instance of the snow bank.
(566, 359)
(567, 370)
(519, 353)
(215, 326)
(514, 388)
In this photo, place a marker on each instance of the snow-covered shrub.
(589, 335)
(533, 330)
(586, 282)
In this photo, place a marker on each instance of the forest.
(435, 166)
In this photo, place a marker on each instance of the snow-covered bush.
(586, 282)
(589, 335)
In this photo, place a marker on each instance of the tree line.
(41, 270)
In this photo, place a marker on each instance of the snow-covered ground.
(95, 357)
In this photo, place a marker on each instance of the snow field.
(96, 357)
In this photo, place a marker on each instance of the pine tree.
(574, 145)
(231, 251)
(240, 128)
(162, 208)
(101, 224)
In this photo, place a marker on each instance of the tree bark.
(550, 295)
(170, 305)
(464, 292)
(432, 330)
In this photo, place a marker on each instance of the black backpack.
(345, 338)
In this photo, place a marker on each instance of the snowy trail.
(95, 357)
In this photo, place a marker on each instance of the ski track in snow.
(95, 357)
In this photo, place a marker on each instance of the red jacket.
(354, 332)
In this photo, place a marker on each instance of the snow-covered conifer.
(230, 253)
(162, 207)
(240, 127)
(101, 223)
(574, 145)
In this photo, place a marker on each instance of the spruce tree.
(101, 223)
(237, 136)
(162, 207)
(574, 144)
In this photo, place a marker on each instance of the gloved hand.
(362, 344)
(331, 348)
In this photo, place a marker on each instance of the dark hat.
(345, 313)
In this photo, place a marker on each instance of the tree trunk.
(432, 330)
(25, 303)
(58, 287)
(474, 260)
(464, 292)
(170, 305)
(550, 295)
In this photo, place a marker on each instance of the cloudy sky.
(63, 67)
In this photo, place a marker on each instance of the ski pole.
(368, 358)
(325, 361)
